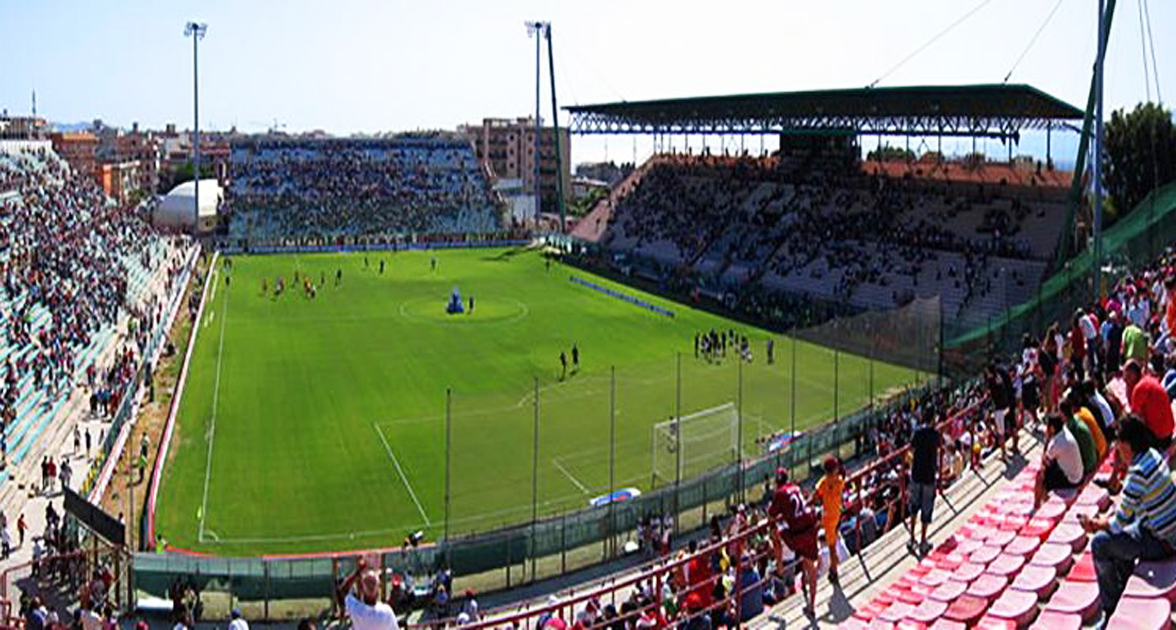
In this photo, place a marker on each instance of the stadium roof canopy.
(993, 110)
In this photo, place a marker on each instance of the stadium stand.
(335, 187)
(74, 268)
(816, 222)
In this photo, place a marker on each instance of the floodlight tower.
(536, 29)
(196, 31)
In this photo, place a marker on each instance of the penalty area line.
(570, 476)
(403, 477)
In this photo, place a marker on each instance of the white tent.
(175, 211)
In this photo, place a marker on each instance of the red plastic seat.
(1094, 495)
(967, 609)
(870, 611)
(1022, 509)
(951, 561)
(967, 546)
(988, 622)
(1070, 534)
(1039, 527)
(949, 591)
(1014, 523)
(1037, 580)
(988, 586)
(1023, 546)
(917, 594)
(1001, 538)
(1134, 613)
(947, 624)
(1153, 580)
(895, 612)
(878, 624)
(1018, 606)
(984, 555)
(981, 533)
(1073, 513)
(1078, 598)
(967, 572)
(1052, 510)
(910, 624)
(927, 612)
(1050, 620)
(890, 595)
(1054, 555)
(934, 578)
(1005, 565)
(1083, 570)
(853, 623)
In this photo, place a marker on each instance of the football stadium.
(892, 356)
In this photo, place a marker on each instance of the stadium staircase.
(594, 224)
(1005, 566)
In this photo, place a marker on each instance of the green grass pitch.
(326, 416)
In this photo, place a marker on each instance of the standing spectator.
(1135, 343)
(21, 528)
(924, 470)
(367, 612)
(1112, 331)
(828, 494)
(1000, 390)
(797, 530)
(1150, 401)
(1144, 526)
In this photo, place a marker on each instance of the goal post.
(697, 442)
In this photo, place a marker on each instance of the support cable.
(928, 43)
(1033, 40)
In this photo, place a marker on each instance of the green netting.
(1134, 240)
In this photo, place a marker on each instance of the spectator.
(237, 622)
(924, 469)
(367, 612)
(1144, 526)
(1061, 462)
(1150, 401)
(1135, 343)
(797, 529)
(828, 495)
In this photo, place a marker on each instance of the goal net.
(697, 443)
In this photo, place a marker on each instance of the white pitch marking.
(396, 462)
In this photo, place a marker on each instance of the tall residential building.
(79, 149)
(506, 149)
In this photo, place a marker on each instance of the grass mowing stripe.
(220, 351)
(396, 462)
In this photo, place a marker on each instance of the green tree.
(1140, 154)
(891, 154)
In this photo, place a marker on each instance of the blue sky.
(366, 65)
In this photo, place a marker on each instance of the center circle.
(486, 310)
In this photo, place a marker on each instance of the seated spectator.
(1144, 525)
(1061, 462)
(1076, 402)
(1081, 432)
(1149, 400)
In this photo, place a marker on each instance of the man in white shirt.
(367, 612)
(1062, 461)
(237, 623)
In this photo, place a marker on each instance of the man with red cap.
(797, 528)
